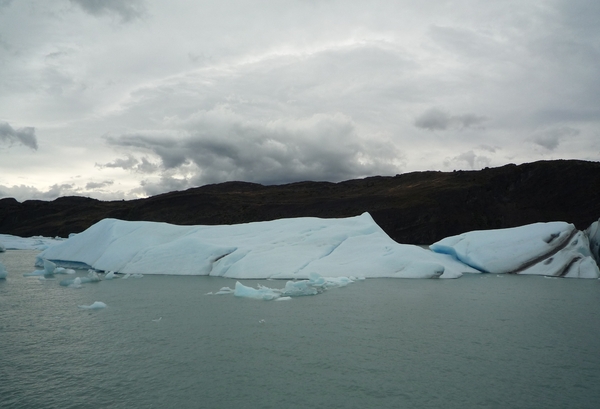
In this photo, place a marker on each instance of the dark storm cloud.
(218, 146)
(437, 120)
(25, 136)
(126, 9)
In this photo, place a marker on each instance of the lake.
(481, 341)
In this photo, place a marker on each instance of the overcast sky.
(119, 99)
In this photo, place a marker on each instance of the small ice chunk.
(301, 288)
(224, 290)
(97, 305)
(126, 276)
(110, 275)
(62, 270)
(67, 282)
(262, 293)
(76, 283)
(49, 267)
(137, 275)
(3, 272)
(283, 299)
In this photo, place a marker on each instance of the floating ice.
(49, 267)
(316, 284)
(553, 249)
(110, 275)
(9, 242)
(3, 272)
(224, 290)
(95, 306)
(282, 249)
(92, 277)
(2, 248)
(262, 293)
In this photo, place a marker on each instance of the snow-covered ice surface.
(550, 249)
(282, 249)
(9, 242)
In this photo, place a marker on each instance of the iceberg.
(3, 272)
(551, 249)
(2, 248)
(278, 249)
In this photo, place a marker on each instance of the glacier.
(278, 249)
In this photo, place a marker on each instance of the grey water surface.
(481, 341)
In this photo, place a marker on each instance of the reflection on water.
(479, 341)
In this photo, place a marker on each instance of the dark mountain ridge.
(417, 207)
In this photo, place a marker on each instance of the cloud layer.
(131, 98)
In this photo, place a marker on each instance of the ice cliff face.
(296, 248)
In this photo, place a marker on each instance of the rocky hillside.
(419, 207)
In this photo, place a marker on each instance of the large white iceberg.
(550, 249)
(283, 249)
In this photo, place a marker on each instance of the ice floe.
(552, 249)
(97, 305)
(76, 282)
(316, 284)
(281, 249)
(9, 242)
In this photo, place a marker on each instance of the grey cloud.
(471, 158)
(435, 119)
(165, 184)
(551, 138)
(25, 136)
(142, 165)
(126, 9)
(489, 148)
(98, 185)
(128, 163)
(219, 146)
